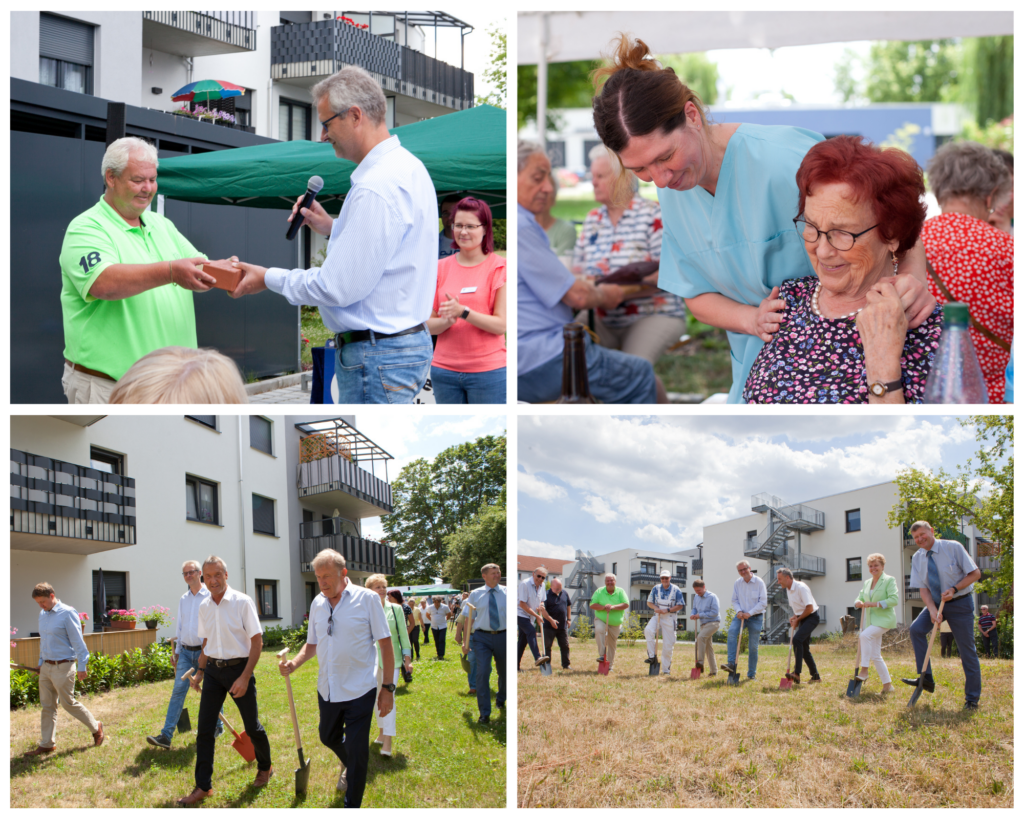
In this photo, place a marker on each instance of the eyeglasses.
(325, 122)
(460, 228)
(330, 624)
(744, 571)
(189, 573)
(839, 239)
(540, 576)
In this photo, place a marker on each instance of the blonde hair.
(375, 580)
(180, 375)
(876, 558)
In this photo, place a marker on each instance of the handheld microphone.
(313, 187)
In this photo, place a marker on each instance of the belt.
(225, 663)
(486, 631)
(87, 371)
(192, 648)
(353, 336)
(57, 662)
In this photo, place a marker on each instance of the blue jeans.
(452, 387)
(472, 667)
(485, 646)
(527, 637)
(615, 378)
(186, 660)
(753, 625)
(383, 370)
(959, 614)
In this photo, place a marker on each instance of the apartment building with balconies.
(91, 493)
(825, 542)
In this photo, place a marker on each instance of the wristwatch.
(389, 687)
(465, 313)
(882, 388)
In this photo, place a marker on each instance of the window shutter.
(68, 40)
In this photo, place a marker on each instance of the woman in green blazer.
(877, 601)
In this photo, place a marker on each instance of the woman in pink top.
(469, 314)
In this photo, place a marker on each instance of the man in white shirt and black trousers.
(345, 623)
(232, 641)
(804, 621)
(376, 286)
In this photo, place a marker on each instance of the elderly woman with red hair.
(469, 313)
(845, 338)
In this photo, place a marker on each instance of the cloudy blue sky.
(600, 483)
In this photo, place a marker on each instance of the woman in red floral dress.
(968, 259)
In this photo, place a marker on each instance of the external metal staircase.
(581, 585)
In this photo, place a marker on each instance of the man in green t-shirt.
(609, 603)
(127, 278)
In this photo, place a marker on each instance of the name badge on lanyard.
(467, 290)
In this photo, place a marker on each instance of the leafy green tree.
(433, 499)
(569, 86)
(480, 541)
(697, 71)
(987, 80)
(982, 491)
(497, 72)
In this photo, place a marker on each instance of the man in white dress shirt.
(437, 614)
(345, 623)
(376, 287)
(187, 647)
(232, 641)
(804, 621)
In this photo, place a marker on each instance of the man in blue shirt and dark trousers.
(943, 570)
(488, 638)
(61, 645)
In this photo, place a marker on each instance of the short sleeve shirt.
(229, 626)
(462, 347)
(800, 597)
(110, 336)
(616, 598)
(952, 561)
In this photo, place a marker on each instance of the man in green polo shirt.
(609, 603)
(128, 277)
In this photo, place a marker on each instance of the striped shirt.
(380, 273)
(603, 247)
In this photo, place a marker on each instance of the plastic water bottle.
(956, 376)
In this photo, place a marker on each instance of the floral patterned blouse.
(814, 360)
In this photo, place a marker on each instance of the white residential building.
(105, 492)
(826, 542)
(637, 571)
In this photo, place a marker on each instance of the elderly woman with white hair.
(969, 260)
(621, 233)
(549, 295)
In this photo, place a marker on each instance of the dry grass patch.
(628, 740)
(442, 757)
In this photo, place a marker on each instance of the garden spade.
(695, 671)
(853, 686)
(544, 661)
(242, 743)
(654, 667)
(927, 663)
(787, 681)
(302, 772)
(184, 723)
(603, 666)
(464, 659)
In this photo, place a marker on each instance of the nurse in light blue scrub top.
(728, 198)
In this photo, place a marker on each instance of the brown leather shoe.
(194, 798)
(41, 751)
(97, 738)
(263, 777)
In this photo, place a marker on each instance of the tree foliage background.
(497, 72)
(982, 491)
(433, 500)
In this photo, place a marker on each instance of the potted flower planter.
(151, 624)
(123, 625)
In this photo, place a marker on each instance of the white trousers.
(668, 638)
(871, 651)
(389, 724)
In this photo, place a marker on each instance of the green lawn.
(442, 757)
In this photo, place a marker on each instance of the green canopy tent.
(462, 151)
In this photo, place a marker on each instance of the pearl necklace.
(817, 312)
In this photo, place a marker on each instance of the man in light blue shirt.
(187, 647)
(61, 647)
(943, 571)
(548, 298)
(749, 600)
(705, 612)
(490, 617)
(376, 287)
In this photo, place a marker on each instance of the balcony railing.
(697, 567)
(361, 555)
(654, 578)
(909, 593)
(336, 473)
(318, 49)
(63, 507)
(804, 564)
(200, 33)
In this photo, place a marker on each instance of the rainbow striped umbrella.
(206, 90)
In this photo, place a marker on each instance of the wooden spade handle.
(469, 627)
(291, 700)
(931, 642)
(188, 675)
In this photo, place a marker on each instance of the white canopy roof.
(583, 35)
